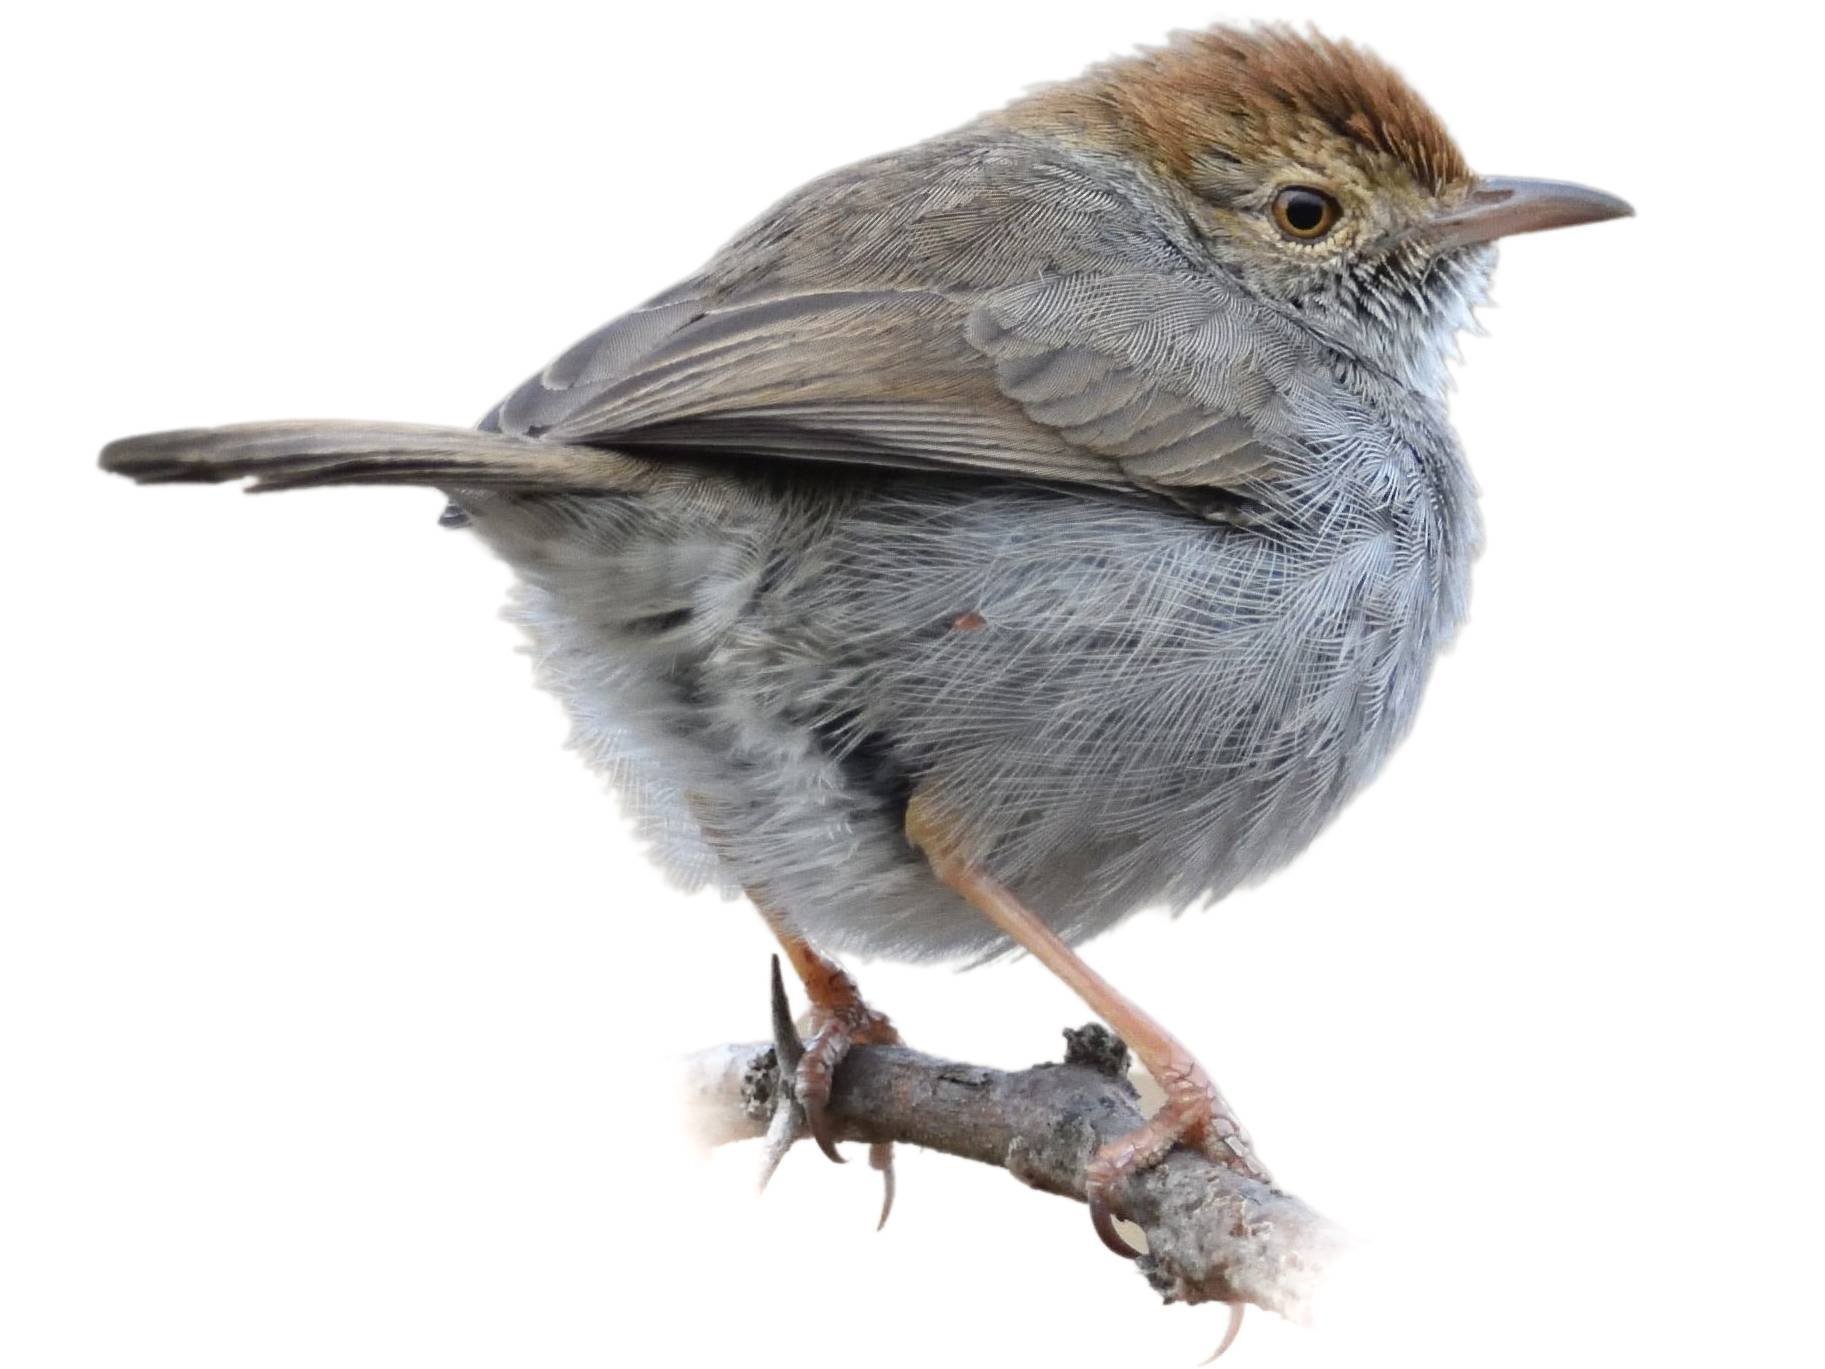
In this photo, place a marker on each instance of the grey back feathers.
(961, 471)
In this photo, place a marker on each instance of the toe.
(823, 1053)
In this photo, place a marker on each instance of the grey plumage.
(768, 669)
(982, 470)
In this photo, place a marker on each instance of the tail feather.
(293, 455)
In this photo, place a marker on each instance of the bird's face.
(1312, 174)
(1334, 232)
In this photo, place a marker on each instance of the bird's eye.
(1305, 213)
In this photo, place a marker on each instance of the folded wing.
(986, 306)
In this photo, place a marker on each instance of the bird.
(1057, 518)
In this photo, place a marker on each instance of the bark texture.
(1212, 1235)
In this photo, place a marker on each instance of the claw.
(821, 1131)
(1104, 1222)
(880, 1156)
(1229, 1336)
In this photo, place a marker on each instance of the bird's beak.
(1499, 206)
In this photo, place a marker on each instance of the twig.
(1212, 1235)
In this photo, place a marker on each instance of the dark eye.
(1305, 213)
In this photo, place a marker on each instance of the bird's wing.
(1147, 382)
(1176, 382)
(883, 377)
(969, 306)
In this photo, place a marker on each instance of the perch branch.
(1212, 1235)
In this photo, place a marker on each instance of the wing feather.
(891, 352)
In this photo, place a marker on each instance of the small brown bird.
(1055, 518)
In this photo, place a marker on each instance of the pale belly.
(1122, 707)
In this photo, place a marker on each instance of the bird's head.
(1308, 170)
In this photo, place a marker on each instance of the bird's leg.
(1194, 1111)
(839, 1019)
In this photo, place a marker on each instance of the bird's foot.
(1194, 1111)
(1195, 1114)
(838, 1020)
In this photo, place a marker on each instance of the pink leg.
(1194, 1111)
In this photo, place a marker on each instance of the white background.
(335, 1004)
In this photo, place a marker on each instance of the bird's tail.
(292, 455)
